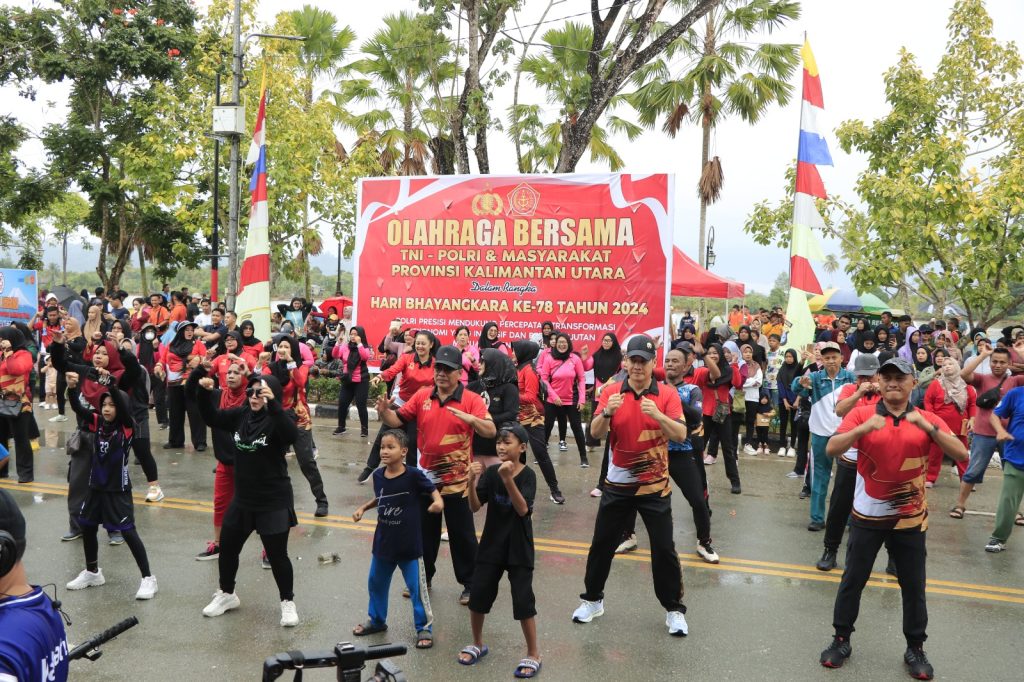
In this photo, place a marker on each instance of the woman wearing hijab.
(263, 491)
(531, 412)
(950, 399)
(489, 338)
(16, 416)
(606, 361)
(355, 379)
(563, 374)
(148, 351)
(717, 407)
(944, 340)
(547, 330)
(908, 351)
(788, 400)
(94, 323)
(868, 345)
(470, 355)
(176, 359)
(251, 346)
(498, 385)
(295, 312)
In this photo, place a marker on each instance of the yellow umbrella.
(817, 302)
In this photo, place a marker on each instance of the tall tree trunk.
(142, 271)
(515, 88)
(472, 84)
(704, 153)
(706, 122)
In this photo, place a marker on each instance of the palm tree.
(831, 266)
(321, 53)
(406, 65)
(729, 75)
(561, 72)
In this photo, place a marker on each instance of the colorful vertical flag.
(253, 302)
(812, 152)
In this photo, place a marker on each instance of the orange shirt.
(179, 313)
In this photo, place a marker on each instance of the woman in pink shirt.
(564, 376)
(355, 379)
(470, 355)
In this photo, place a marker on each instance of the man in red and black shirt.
(446, 417)
(641, 418)
(892, 439)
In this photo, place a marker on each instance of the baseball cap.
(640, 346)
(516, 429)
(12, 520)
(829, 345)
(899, 364)
(449, 356)
(865, 365)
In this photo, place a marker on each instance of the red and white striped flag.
(253, 302)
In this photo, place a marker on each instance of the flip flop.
(368, 628)
(474, 653)
(532, 669)
(956, 513)
(1019, 521)
(424, 636)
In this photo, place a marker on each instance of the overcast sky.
(854, 43)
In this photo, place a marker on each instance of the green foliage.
(323, 390)
(945, 174)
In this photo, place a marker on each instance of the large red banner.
(590, 253)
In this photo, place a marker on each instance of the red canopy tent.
(690, 279)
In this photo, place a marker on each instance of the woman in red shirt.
(414, 370)
(176, 360)
(950, 399)
(16, 419)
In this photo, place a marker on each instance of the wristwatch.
(605, 414)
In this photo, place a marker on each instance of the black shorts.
(486, 578)
(263, 522)
(115, 510)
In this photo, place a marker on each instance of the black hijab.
(248, 340)
(353, 351)
(545, 337)
(865, 338)
(525, 351)
(484, 343)
(237, 336)
(607, 362)
(498, 369)
(726, 378)
(789, 372)
(256, 424)
(13, 336)
(554, 350)
(181, 346)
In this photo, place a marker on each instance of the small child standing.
(398, 539)
(109, 500)
(49, 385)
(763, 420)
(506, 545)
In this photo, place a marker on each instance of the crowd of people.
(886, 400)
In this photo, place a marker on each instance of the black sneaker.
(201, 447)
(211, 552)
(917, 661)
(338, 431)
(557, 497)
(321, 509)
(264, 561)
(584, 463)
(364, 434)
(827, 561)
(815, 526)
(805, 492)
(364, 474)
(736, 489)
(890, 567)
(172, 446)
(836, 653)
(562, 446)
(71, 535)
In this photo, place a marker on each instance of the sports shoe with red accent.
(836, 653)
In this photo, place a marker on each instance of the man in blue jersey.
(33, 646)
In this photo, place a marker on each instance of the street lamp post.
(709, 256)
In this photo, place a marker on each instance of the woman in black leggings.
(263, 492)
(355, 379)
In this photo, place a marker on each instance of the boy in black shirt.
(506, 544)
(398, 539)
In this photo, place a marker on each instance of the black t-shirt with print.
(399, 534)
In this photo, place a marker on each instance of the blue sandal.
(474, 653)
(532, 669)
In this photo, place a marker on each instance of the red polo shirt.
(850, 456)
(891, 465)
(414, 375)
(639, 463)
(444, 441)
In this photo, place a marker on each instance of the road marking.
(575, 548)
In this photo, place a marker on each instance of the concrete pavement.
(763, 613)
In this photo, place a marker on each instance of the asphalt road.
(764, 613)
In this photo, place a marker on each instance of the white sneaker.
(627, 545)
(289, 616)
(444, 536)
(87, 579)
(676, 623)
(782, 451)
(147, 589)
(59, 418)
(791, 452)
(588, 611)
(793, 474)
(221, 603)
(596, 492)
(707, 553)
(747, 450)
(155, 494)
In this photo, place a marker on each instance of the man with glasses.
(640, 417)
(446, 417)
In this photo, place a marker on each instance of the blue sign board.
(19, 295)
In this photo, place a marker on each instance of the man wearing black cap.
(889, 507)
(33, 646)
(864, 392)
(446, 417)
(641, 417)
